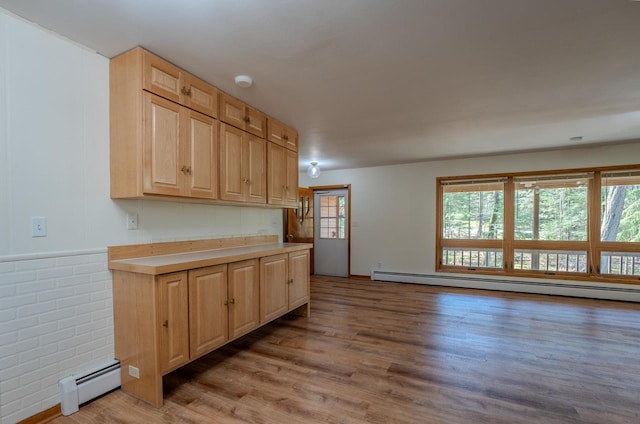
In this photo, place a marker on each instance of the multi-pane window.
(551, 208)
(582, 224)
(332, 217)
(473, 223)
(620, 222)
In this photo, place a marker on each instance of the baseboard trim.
(44, 416)
(562, 288)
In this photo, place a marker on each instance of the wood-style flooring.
(375, 352)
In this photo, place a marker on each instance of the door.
(244, 301)
(298, 278)
(274, 283)
(163, 157)
(331, 232)
(208, 327)
(202, 151)
(172, 313)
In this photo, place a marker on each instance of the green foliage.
(473, 215)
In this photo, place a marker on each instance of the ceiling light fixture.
(244, 81)
(576, 138)
(313, 170)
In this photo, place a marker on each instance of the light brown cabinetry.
(172, 302)
(282, 176)
(180, 148)
(282, 135)
(223, 304)
(243, 166)
(244, 297)
(177, 309)
(208, 317)
(284, 283)
(159, 144)
(165, 140)
(239, 114)
(169, 81)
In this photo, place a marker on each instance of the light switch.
(38, 226)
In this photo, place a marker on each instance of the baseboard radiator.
(558, 287)
(80, 388)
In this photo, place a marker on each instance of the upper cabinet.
(167, 141)
(167, 80)
(243, 165)
(282, 135)
(240, 115)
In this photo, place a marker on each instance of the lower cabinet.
(284, 284)
(162, 322)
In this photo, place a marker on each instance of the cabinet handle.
(184, 169)
(186, 91)
(246, 180)
(165, 324)
(233, 301)
(285, 137)
(189, 170)
(247, 119)
(226, 302)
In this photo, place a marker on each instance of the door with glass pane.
(331, 232)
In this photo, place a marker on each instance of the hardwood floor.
(376, 352)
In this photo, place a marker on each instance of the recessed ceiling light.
(578, 137)
(244, 81)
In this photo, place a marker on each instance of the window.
(332, 217)
(620, 223)
(473, 223)
(577, 224)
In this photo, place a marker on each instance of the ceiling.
(375, 82)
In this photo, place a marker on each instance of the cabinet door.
(244, 299)
(291, 185)
(255, 169)
(276, 178)
(291, 139)
(173, 320)
(208, 325)
(275, 131)
(282, 135)
(201, 176)
(232, 180)
(231, 110)
(161, 77)
(298, 278)
(273, 287)
(162, 154)
(255, 122)
(201, 96)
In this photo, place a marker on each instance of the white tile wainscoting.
(56, 319)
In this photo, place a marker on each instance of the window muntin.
(332, 217)
(551, 208)
(473, 210)
(620, 206)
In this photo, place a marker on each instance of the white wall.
(393, 208)
(55, 292)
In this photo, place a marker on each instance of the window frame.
(593, 246)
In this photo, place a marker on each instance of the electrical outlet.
(38, 226)
(132, 221)
(134, 372)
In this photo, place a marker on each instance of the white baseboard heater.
(626, 292)
(80, 388)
